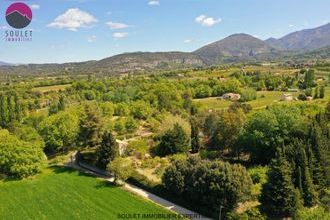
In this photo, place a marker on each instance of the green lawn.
(61, 193)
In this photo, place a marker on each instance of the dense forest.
(246, 141)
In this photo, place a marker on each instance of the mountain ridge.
(239, 47)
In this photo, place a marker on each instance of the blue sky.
(78, 30)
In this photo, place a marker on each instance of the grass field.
(55, 88)
(264, 99)
(61, 193)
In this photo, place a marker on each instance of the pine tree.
(322, 92)
(61, 104)
(278, 196)
(306, 186)
(107, 151)
(11, 108)
(18, 108)
(316, 92)
(319, 151)
(195, 143)
(4, 115)
(90, 127)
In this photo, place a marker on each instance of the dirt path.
(141, 192)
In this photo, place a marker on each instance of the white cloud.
(116, 25)
(35, 6)
(207, 21)
(73, 19)
(187, 41)
(154, 2)
(91, 39)
(119, 35)
(291, 25)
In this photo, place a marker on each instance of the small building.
(287, 97)
(231, 96)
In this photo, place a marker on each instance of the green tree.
(227, 130)
(121, 169)
(322, 92)
(208, 183)
(90, 127)
(278, 197)
(4, 115)
(316, 93)
(19, 158)
(195, 143)
(173, 141)
(59, 131)
(61, 104)
(107, 151)
(302, 174)
(309, 80)
(53, 109)
(267, 129)
(141, 110)
(248, 94)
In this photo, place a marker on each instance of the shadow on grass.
(105, 184)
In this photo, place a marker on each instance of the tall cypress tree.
(107, 151)
(61, 104)
(305, 182)
(4, 116)
(319, 149)
(11, 108)
(18, 108)
(195, 143)
(90, 127)
(278, 196)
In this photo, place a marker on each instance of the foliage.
(267, 129)
(208, 183)
(248, 94)
(195, 142)
(59, 131)
(278, 196)
(90, 127)
(227, 130)
(173, 141)
(19, 158)
(107, 151)
(312, 213)
(141, 110)
(121, 169)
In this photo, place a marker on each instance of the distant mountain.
(5, 64)
(237, 47)
(301, 45)
(139, 61)
(305, 40)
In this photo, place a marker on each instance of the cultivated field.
(62, 193)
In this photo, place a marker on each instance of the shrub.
(248, 94)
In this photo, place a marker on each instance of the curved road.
(141, 192)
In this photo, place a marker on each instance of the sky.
(80, 30)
